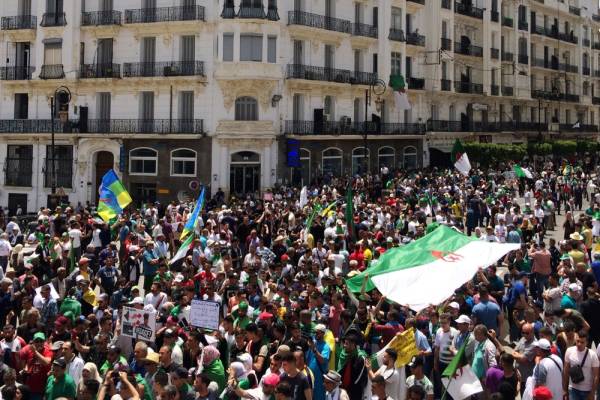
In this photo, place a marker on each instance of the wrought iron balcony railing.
(495, 53)
(132, 126)
(468, 87)
(447, 4)
(18, 22)
(16, 73)
(446, 85)
(507, 56)
(55, 71)
(101, 18)
(596, 17)
(468, 10)
(297, 127)
(523, 25)
(507, 21)
(415, 39)
(494, 90)
(54, 19)
(585, 70)
(568, 68)
(585, 42)
(251, 12)
(446, 44)
(469, 50)
(164, 14)
(319, 21)
(364, 30)
(494, 16)
(165, 68)
(523, 59)
(596, 100)
(311, 73)
(363, 78)
(397, 35)
(508, 91)
(91, 71)
(575, 10)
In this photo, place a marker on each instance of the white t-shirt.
(575, 357)
(75, 235)
(443, 341)
(549, 373)
(392, 381)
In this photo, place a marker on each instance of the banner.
(205, 314)
(138, 324)
(406, 347)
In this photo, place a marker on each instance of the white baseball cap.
(463, 319)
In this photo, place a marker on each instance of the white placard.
(138, 324)
(205, 314)
(465, 384)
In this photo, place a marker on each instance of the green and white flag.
(521, 172)
(460, 159)
(183, 249)
(427, 271)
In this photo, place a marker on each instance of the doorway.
(244, 175)
(104, 162)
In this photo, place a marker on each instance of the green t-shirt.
(62, 387)
(523, 265)
(108, 366)
(147, 390)
(72, 305)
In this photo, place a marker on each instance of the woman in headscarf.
(213, 366)
(89, 372)
(246, 360)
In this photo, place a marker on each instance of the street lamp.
(376, 87)
(62, 97)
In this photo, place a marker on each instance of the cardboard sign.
(205, 314)
(138, 324)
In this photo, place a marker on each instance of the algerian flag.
(303, 197)
(398, 85)
(521, 172)
(183, 249)
(428, 270)
(577, 125)
(460, 159)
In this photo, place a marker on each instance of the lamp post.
(62, 97)
(376, 87)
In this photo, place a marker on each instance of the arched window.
(246, 109)
(332, 162)
(305, 166)
(143, 161)
(360, 164)
(386, 156)
(183, 162)
(410, 157)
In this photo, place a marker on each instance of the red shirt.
(37, 372)
(359, 257)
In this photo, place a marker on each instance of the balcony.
(568, 37)
(16, 73)
(544, 63)
(495, 53)
(507, 21)
(306, 128)
(468, 10)
(446, 44)
(415, 39)
(52, 72)
(53, 19)
(468, 50)
(446, 85)
(554, 96)
(166, 69)
(397, 35)
(97, 71)
(581, 128)
(494, 90)
(585, 71)
(523, 25)
(164, 14)
(416, 83)
(130, 126)
(468, 87)
(523, 59)
(585, 42)
(319, 21)
(507, 56)
(494, 16)
(363, 78)
(575, 10)
(461, 126)
(101, 18)
(447, 4)
(596, 100)
(308, 72)
(18, 22)
(508, 91)
(568, 68)
(251, 12)
(364, 30)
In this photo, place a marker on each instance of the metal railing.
(507, 21)
(101, 18)
(29, 126)
(18, 22)
(446, 44)
(363, 78)
(468, 10)
(596, 17)
(415, 39)
(596, 46)
(16, 73)
(416, 83)
(597, 73)
(522, 25)
(364, 30)
(103, 126)
(495, 53)
(446, 85)
(523, 59)
(311, 73)
(164, 14)
(585, 70)
(508, 91)
(54, 19)
(544, 63)
(554, 96)
(494, 90)
(507, 56)
(319, 21)
(494, 16)
(468, 87)
(397, 35)
(298, 127)
(251, 12)
(55, 71)
(165, 68)
(90, 71)
(568, 68)
(580, 128)
(469, 50)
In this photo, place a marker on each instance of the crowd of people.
(288, 328)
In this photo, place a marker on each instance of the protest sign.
(138, 324)
(205, 314)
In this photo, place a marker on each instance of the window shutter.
(188, 48)
(272, 49)
(228, 47)
(186, 106)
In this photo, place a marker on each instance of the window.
(147, 111)
(183, 162)
(53, 53)
(21, 105)
(586, 88)
(19, 162)
(298, 107)
(332, 162)
(143, 161)
(410, 157)
(63, 167)
(272, 49)
(396, 22)
(228, 47)
(246, 109)
(305, 166)
(360, 161)
(186, 111)
(188, 49)
(386, 157)
(357, 110)
(329, 108)
(250, 47)
(396, 63)
(298, 52)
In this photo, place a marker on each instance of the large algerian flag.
(398, 85)
(428, 270)
(460, 159)
(521, 172)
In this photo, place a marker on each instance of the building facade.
(245, 94)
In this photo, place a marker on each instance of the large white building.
(230, 93)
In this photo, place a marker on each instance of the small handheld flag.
(460, 158)
(192, 222)
(113, 196)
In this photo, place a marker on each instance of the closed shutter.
(188, 48)
(51, 6)
(250, 48)
(298, 107)
(186, 105)
(148, 4)
(105, 51)
(188, 3)
(298, 6)
(52, 54)
(228, 47)
(106, 5)
(24, 7)
(103, 106)
(272, 49)
(149, 49)
(329, 62)
(147, 106)
(298, 53)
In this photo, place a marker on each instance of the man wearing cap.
(35, 359)
(569, 299)
(60, 385)
(548, 371)
(241, 317)
(418, 377)
(263, 392)
(332, 381)
(317, 359)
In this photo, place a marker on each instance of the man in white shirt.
(580, 355)
(548, 372)
(75, 235)
(74, 362)
(389, 373)
(5, 249)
